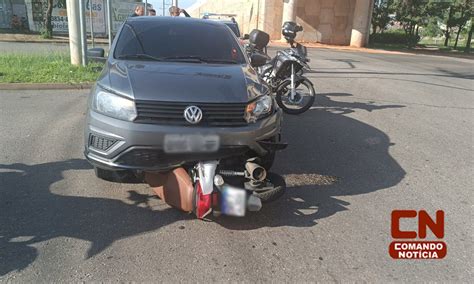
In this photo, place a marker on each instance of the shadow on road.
(31, 213)
(330, 155)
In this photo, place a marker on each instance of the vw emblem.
(193, 114)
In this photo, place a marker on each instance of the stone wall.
(273, 14)
(326, 21)
(249, 12)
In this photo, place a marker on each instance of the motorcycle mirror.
(257, 60)
(246, 36)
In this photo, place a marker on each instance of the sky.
(157, 4)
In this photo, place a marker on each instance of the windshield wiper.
(197, 59)
(184, 58)
(139, 56)
(215, 60)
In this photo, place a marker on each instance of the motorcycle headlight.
(258, 108)
(114, 106)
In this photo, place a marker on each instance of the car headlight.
(114, 106)
(258, 108)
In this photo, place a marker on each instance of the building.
(339, 22)
(33, 14)
(8, 8)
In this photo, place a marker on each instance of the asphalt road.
(387, 132)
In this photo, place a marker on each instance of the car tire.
(121, 176)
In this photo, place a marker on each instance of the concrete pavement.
(387, 132)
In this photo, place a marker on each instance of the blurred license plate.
(233, 201)
(177, 143)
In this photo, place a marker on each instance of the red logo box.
(401, 249)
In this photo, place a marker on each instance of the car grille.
(172, 113)
(101, 143)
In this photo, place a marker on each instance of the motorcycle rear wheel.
(305, 93)
(275, 193)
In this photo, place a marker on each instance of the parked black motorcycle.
(294, 92)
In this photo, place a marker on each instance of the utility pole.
(175, 3)
(82, 24)
(167, 3)
(109, 22)
(91, 22)
(74, 32)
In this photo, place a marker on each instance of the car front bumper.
(121, 145)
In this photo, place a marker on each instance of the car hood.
(182, 82)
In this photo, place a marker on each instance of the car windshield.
(180, 41)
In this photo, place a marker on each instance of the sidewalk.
(419, 50)
(37, 39)
(282, 43)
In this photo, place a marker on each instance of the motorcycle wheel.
(275, 193)
(305, 96)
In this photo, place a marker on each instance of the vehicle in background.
(284, 73)
(227, 19)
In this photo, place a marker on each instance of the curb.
(32, 41)
(43, 86)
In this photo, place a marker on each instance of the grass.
(56, 68)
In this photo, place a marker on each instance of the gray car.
(175, 91)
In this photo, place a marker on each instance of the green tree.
(469, 37)
(47, 20)
(412, 14)
(432, 29)
(381, 15)
(457, 15)
(449, 23)
(463, 15)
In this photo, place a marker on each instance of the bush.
(394, 37)
(44, 34)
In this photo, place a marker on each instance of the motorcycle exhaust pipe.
(255, 171)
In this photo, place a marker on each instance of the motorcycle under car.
(207, 188)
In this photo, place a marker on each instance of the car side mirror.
(246, 37)
(96, 54)
(257, 60)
